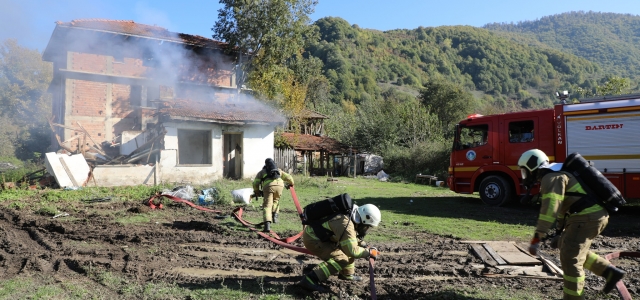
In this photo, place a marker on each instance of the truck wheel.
(495, 191)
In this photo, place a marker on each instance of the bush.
(430, 157)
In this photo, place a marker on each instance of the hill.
(608, 39)
(360, 64)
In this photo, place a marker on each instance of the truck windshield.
(472, 136)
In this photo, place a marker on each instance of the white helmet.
(369, 215)
(531, 160)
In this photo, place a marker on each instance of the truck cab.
(486, 150)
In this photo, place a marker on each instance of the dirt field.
(197, 250)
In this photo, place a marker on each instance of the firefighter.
(272, 180)
(578, 221)
(342, 248)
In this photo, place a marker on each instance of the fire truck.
(605, 131)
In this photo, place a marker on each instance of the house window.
(521, 132)
(194, 147)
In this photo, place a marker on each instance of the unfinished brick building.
(121, 85)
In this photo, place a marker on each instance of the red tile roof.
(131, 28)
(316, 143)
(223, 111)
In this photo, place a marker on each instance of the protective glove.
(363, 244)
(373, 253)
(554, 242)
(535, 245)
(257, 194)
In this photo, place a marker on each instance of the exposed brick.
(89, 98)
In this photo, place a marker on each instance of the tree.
(447, 101)
(272, 32)
(24, 102)
(613, 86)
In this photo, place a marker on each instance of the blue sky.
(32, 21)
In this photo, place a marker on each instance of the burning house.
(144, 105)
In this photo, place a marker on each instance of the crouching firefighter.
(334, 232)
(272, 180)
(565, 200)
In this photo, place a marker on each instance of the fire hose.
(273, 237)
(622, 289)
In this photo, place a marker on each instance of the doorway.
(232, 155)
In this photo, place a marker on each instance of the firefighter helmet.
(531, 160)
(369, 215)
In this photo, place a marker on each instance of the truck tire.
(495, 191)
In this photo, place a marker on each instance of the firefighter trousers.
(271, 199)
(575, 256)
(334, 260)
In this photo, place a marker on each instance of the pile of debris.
(513, 260)
(128, 148)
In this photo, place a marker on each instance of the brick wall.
(87, 62)
(130, 67)
(120, 100)
(89, 98)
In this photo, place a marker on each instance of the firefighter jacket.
(558, 191)
(344, 234)
(264, 180)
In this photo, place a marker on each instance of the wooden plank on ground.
(512, 255)
(547, 261)
(482, 254)
(494, 254)
(524, 250)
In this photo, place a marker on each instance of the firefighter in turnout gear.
(578, 222)
(269, 184)
(342, 247)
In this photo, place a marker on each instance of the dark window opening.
(135, 97)
(521, 132)
(473, 136)
(194, 147)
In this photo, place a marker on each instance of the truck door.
(474, 149)
(520, 135)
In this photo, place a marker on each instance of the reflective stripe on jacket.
(262, 178)
(344, 233)
(555, 204)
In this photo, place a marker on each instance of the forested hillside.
(609, 39)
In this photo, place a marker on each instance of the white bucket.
(440, 183)
(242, 196)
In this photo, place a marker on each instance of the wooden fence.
(286, 159)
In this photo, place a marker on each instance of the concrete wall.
(123, 175)
(258, 146)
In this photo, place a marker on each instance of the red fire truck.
(605, 131)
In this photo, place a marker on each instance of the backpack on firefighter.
(599, 189)
(315, 214)
(272, 171)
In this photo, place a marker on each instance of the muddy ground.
(196, 250)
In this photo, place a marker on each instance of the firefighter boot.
(267, 227)
(310, 283)
(611, 276)
(350, 277)
(274, 217)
